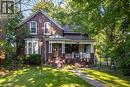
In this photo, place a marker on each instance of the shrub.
(121, 55)
(126, 71)
(7, 62)
(32, 59)
(9, 59)
(125, 67)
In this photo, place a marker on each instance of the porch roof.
(69, 41)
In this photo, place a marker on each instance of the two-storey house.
(52, 41)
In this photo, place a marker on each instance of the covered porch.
(70, 51)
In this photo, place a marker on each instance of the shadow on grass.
(42, 77)
(112, 79)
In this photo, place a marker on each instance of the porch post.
(50, 47)
(63, 48)
(91, 61)
(92, 48)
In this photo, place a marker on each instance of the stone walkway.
(88, 79)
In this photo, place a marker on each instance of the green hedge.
(32, 59)
(126, 72)
(125, 67)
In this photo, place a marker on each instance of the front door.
(56, 50)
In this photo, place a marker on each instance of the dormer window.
(33, 27)
(47, 27)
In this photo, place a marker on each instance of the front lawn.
(42, 77)
(111, 79)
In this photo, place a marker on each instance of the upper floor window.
(7, 6)
(47, 27)
(33, 27)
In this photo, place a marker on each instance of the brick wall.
(41, 19)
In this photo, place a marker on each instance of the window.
(7, 7)
(33, 27)
(69, 48)
(47, 27)
(35, 47)
(32, 47)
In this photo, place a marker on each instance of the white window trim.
(32, 41)
(36, 27)
(44, 29)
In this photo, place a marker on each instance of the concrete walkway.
(88, 79)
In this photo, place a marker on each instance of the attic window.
(47, 27)
(33, 27)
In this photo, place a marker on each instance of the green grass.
(42, 77)
(110, 79)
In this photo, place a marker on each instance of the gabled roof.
(44, 13)
(68, 30)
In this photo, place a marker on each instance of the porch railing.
(81, 55)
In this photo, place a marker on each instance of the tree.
(11, 33)
(109, 18)
(57, 11)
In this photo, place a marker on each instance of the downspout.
(45, 54)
